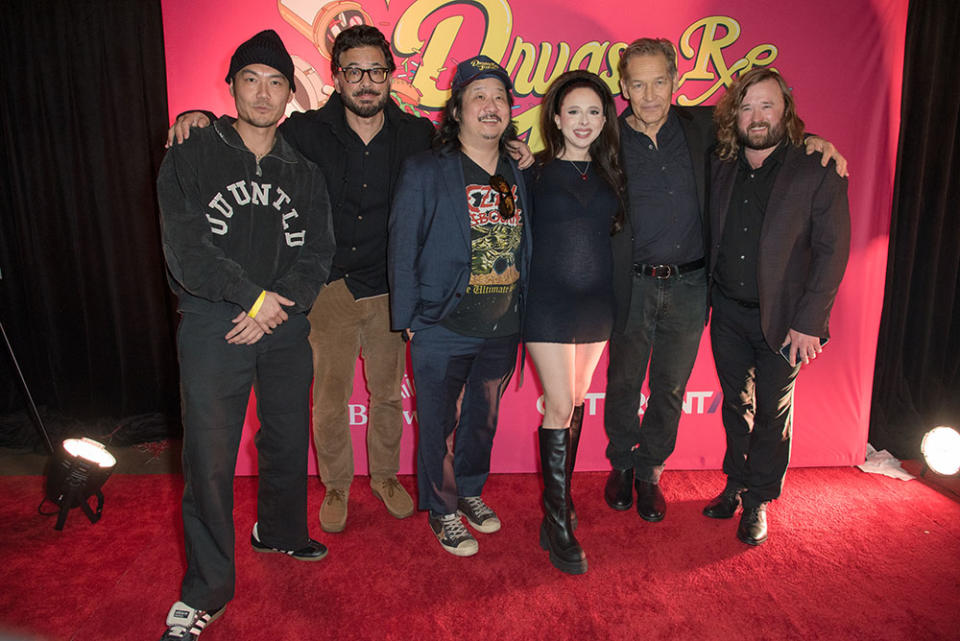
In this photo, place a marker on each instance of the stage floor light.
(77, 472)
(941, 450)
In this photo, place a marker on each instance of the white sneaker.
(185, 623)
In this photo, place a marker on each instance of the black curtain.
(83, 297)
(916, 384)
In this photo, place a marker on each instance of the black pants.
(757, 385)
(663, 329)
(459, 380)
(215, 381)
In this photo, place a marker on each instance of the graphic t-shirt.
(491, 305)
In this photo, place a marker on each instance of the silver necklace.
(582, 172)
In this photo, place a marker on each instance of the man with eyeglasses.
(359, 139)
(458, 261)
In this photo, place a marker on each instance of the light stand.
(77, 471)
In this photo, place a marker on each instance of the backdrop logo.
(694, 402)
(429, 38)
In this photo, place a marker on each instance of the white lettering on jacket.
(253, 193)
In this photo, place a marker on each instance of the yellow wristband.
(256, 306)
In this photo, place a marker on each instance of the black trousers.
(757, 385)
(215, 381)
(663, 329)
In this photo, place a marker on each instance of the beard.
(364, 110)
(765, 140)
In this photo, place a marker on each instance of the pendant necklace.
(583, 172)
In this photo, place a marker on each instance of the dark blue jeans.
(663, 330)
(459, 381)
(757, 385)
(215, 381)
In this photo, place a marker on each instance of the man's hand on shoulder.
(180, 130)
(825, 147)
(520, 152)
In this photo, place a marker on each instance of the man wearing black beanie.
(248, 241)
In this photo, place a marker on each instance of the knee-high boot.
(556, 534)
(576, 422)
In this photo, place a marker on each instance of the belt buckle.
(665, 270)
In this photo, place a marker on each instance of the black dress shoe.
(723, 506)
(753, 525)
(651, 506)
(619, 490)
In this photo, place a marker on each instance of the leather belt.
(667, 271)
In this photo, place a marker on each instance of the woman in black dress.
(577, 191)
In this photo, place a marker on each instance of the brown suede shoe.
(333, 510)
(394, 497)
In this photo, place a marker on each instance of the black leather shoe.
(651, 506)
(619, 490)
(723, 506)
(312, 551)
(753, 525)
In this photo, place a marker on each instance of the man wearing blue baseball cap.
(458, 260)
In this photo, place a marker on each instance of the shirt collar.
(774, 159)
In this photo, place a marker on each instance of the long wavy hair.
(728, 109)
(447, 137)
(604, 150)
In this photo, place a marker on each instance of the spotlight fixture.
(941, 450)
(77, 472)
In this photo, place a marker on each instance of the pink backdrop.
(844, 61)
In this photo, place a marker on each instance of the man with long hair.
(781, 229)
(458, 261)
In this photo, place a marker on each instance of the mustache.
(485, 116)
(765, 125)
(365, 92)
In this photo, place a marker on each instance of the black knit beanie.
(265, 48)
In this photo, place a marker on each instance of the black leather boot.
(556, 534)
(576, 422)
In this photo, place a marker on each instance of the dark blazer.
(697, 125)
(429, 252)
(804, 242)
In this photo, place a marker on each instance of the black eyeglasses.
(507, 206)
(353, 75)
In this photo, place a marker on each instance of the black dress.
(570, 292)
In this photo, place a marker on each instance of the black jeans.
(459, 380)
(215, 382)
(663, 329)
(757, 385)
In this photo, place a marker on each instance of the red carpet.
(850, 556)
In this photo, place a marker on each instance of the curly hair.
(649, 47)
(360, 35)
(604, 150)
(728, 109)
(447, 137)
